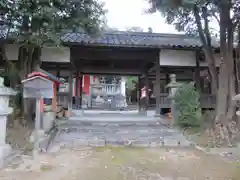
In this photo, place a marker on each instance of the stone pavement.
(117, 129)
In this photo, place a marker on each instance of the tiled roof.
(41, 72)
(134, 39)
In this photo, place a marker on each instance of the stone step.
(91, 123)
(134, 135)
(100, 142)
(115, 119)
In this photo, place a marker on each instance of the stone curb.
(128, 143)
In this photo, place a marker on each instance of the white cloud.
(128, 13)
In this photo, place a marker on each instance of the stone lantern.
(5, 110)
(173, 86)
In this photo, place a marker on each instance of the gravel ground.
(123, 163)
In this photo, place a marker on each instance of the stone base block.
(48, 119)
(5, 151)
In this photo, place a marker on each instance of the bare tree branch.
(216, 17)
(206, 26)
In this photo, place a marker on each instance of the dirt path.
(123, 163)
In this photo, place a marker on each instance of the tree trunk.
(205, 37)
(226, 91)
(28, 59)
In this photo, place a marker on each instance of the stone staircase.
(118, 130)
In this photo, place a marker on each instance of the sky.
(123, 14)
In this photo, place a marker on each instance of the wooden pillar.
(90, 91)
(70, 92)
(158, 88)
(139, 93)
(146, 84)
(58, 76)
(81, 90)
(77, 96)
(197, 72)
(54, 99)
(167, 80)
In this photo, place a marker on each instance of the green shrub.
(188, 106)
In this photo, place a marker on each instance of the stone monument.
(123, 102)
(97, 88)
(5, 93)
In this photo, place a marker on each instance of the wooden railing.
(206, 101)
(62, 99)
(111, 88)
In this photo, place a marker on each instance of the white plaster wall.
(54, 54)
(177, 58)
(182, 58)
(167, 57)
(50, 54)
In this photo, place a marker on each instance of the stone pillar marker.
(5, 93)
(123, 86)
(173, 86)
(123, 91)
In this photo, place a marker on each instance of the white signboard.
(37, 87)
(33, 93)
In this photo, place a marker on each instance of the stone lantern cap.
(173, 83)
(5, 92)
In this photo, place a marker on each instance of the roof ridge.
(172, 35)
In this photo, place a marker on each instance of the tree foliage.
(42, 22)
(33, 24)
(195, 17)
(188, 106)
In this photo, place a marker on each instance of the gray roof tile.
(134, 39)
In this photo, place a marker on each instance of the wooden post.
(81, 90)
(54, 99)
(146, 83)
(58, 76)
(70, 92)
(158, 88)
(77, 90)
(167, 80)
(90, 91)
(139, 93)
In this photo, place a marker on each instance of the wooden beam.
(91, 70)
(82, 54)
